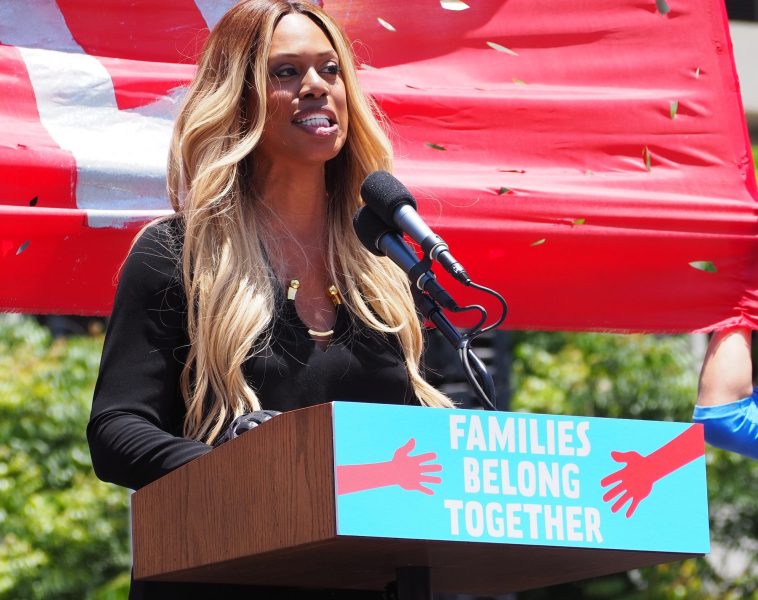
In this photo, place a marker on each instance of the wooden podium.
(263, 509)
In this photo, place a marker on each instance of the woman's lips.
(317, 128)
(317, 123)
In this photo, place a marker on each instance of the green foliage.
(642, 377)
(63, 533)
(636, 376)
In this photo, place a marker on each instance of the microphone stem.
(431, 311)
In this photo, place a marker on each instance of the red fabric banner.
(589, 159)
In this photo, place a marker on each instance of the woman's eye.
(285, 72)
(332, 70)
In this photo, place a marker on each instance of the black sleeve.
(137, 413)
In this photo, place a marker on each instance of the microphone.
(383, 240)
(395, 205)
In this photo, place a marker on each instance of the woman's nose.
(313, 84)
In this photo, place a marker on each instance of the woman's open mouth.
(317, 124)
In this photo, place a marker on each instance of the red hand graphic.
(410, 473)
(635, 481)
(404, 470)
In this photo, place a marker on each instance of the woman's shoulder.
(156, 253)
(164, 237)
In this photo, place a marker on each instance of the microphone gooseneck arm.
(473, 367)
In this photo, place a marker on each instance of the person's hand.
(635, 481)
(409, 472)
(245, 423)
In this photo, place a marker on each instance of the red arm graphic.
(636, 479)
(406, 471)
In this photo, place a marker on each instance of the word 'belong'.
(552, 437)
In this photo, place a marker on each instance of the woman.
(257, 293)
(727, 403)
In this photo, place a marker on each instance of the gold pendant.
(292, 289)
(334, 295)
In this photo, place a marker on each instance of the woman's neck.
(295, 221)
(297, 200)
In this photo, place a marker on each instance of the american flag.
(588, 159)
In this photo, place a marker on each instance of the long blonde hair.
(229, 286)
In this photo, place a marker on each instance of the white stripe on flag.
(35, 24)
(120, 155)
(213, 10)
(120, 218)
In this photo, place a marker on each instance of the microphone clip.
(421, 272)
(423, 279)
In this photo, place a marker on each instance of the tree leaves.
(63, 533)
(704, 265)
(673, 108)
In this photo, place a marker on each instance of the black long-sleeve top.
(135, 429)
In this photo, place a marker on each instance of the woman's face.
(306, 117)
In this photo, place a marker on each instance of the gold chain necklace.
(333, 294)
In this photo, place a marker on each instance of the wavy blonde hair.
(229, 286)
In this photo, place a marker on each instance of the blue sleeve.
(732, 426)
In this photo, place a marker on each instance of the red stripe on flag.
(32, 165)
(148, 49)
(138, 83)
(51, 262)
(167, 31)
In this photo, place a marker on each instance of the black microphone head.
(369, 228)
(384, 194)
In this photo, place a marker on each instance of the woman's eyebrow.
(280, 55)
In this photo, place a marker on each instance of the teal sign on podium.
(515, 478)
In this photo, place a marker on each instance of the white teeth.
(314, 122)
